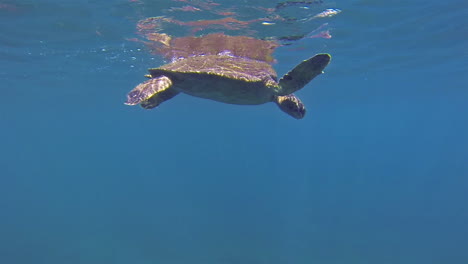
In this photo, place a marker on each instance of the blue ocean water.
(377, 171)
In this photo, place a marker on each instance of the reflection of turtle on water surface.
(228, 79)
(211, 44)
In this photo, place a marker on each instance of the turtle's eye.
(133, 94)
(133, 98)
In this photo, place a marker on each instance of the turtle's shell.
(222, 78)
(221, 65)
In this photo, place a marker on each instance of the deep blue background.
(377, 172)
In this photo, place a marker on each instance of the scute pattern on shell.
(231, 67)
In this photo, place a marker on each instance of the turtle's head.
(134, 97)
(147, 89)
(291, 105)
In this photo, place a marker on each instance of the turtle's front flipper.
(147, 89)
(303, 73)
(158, 98)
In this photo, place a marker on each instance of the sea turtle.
(228, 79)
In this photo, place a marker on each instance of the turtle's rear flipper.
(147, 89)
(158, 98)
(303, 73)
